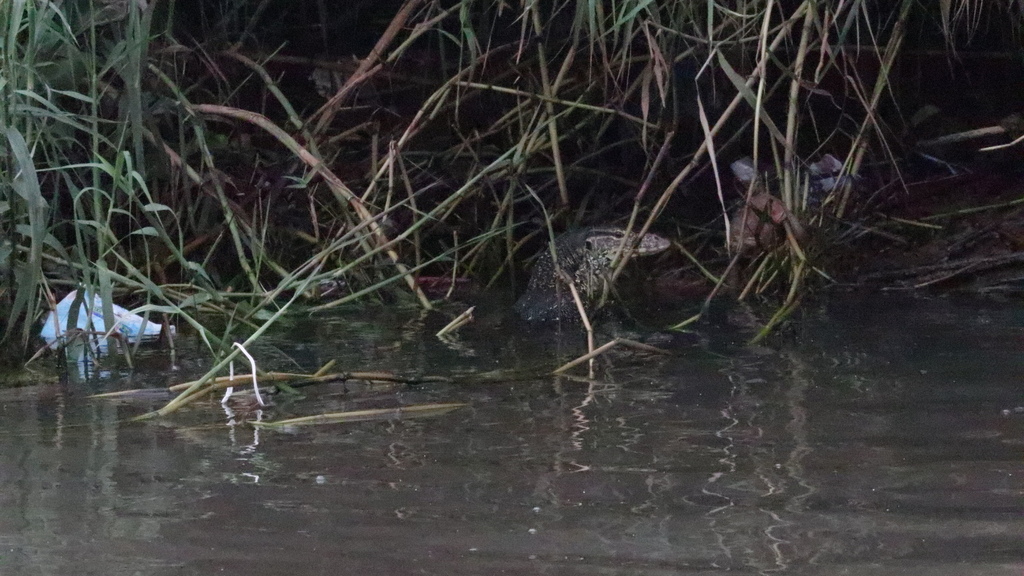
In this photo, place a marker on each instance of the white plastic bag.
(129, 325)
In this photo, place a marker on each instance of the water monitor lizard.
(585, 256)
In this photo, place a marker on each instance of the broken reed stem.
(323, 369)
(319, 377)
(593, 353)
(416, 410)
(580, 308)
(458, 322)
(643, 347)
(192, 391)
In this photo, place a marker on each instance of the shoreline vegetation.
(190, 161)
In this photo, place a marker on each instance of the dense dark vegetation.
(239, 158)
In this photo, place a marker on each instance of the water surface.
(878, 436)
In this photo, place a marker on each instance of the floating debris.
(459, 321)
(129, 327)
(399, 413)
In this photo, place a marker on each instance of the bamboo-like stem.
(860, 142)
(416, 410)
(550, 90)
(623, 256)
(457, 322)
(793, 112)
(593, 353)
(787, 308)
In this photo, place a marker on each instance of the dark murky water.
(871, 440)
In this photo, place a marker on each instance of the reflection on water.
(871, 440)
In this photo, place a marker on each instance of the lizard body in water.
(585, 256)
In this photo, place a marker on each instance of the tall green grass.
(188, 177)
